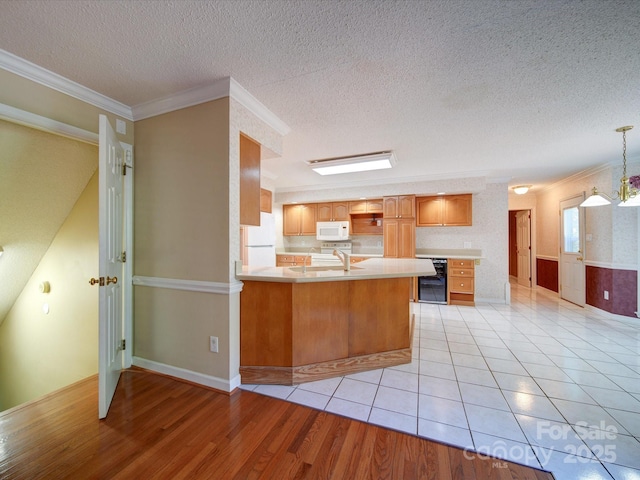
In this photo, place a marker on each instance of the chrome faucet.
(304, 265)
(344, 259)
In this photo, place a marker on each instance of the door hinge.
(123, 345)
(123, 257)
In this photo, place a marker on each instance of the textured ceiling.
(529, 91)
(41, 177)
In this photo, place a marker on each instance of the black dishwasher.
(433, 289)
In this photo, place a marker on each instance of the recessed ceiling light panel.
(360, 163)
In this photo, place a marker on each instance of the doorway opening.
(520, 258)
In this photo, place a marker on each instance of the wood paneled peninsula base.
(298, 327)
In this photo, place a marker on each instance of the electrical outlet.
(606, 295)
(213, 344)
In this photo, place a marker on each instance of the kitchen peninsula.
(302, 324)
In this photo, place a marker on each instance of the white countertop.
(462, 253)
(369, 269)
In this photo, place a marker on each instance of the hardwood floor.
(161, 428)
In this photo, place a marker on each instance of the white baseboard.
(499, 301)
(623, 318)
(195, 377)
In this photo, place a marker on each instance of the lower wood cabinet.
(292, 260)
(461, 279)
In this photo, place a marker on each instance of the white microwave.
(332, 230)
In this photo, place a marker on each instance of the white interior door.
(572, 274)
(111, 234)
(523, 240)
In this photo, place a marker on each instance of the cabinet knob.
(461, 271)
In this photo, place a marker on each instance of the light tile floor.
(540, 382)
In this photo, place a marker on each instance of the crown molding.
(183, 99)
(578, 176)
(226, 87)
(28, 119)
(35, 73)
(251, 103)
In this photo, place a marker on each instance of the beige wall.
(181, 194)
(187, 228)
(39, 352)
(182, 233)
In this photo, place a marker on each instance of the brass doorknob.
(97, 281)
(579, 259)
(113, 280)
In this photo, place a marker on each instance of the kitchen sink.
(323, 268)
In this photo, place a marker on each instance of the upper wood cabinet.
(401, 206)
(444, 210)
(249, 181)
(299, 219)
(366, 206)
(332, 212)
(266, 203)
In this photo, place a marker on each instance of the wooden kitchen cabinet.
(292, 260)
(266, 200)
(401, 206)
(461, 281)
(366, 206)
(299, 219)
(249, 181)
(399, 238)
(399, 226)
(444, 210)
(332, 212)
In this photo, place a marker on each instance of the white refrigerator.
(261, 242)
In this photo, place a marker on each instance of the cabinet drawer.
(460, 263)
(461, 272)
(289, 260)
(461, 284)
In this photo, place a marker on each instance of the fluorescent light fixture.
(360, 163)
(521, 189)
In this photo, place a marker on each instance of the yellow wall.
(39, 352)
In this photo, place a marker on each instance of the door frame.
(578, 198)
(533, 231)
(49, 125)
(127, 286)
(529, 241)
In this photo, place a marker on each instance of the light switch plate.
(121, 126)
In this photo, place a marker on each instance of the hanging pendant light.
(629, 196)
